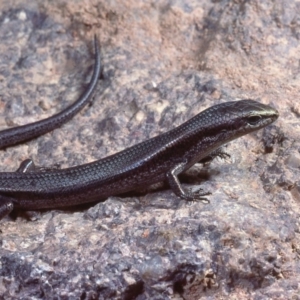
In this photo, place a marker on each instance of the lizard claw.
(197, 196)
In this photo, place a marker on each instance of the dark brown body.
(159, 158)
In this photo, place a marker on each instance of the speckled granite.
(164, 61)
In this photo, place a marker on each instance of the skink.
(163, 157)
(16, 135)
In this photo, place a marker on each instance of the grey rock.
(163, 63)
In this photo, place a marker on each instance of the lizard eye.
(253, 120)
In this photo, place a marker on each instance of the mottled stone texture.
(164, 61)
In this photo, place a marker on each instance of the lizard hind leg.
(28, 165)
(6, 206)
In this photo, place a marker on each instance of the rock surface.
(164, 61)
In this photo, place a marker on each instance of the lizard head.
(244, 116)
(227, 121)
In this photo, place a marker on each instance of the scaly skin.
(162, 157)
